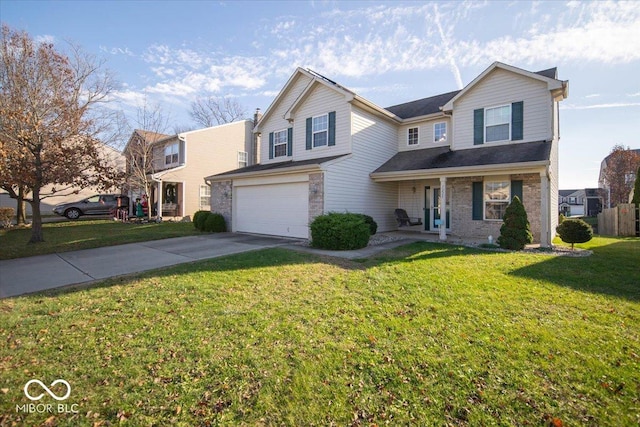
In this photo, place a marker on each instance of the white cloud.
(45, 38)
(599, 106)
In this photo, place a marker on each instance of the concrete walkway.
(38, 273)
(44, 272)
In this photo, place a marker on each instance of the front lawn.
(85, 234)
(427, 334)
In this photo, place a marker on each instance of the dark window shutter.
(332, 128)
(477, 201)
(271, 145)
(478, 126)
(516, 190)
(517, 121)
(290, 142)
(309, 133)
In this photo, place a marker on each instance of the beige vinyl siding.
(347, 183)
(275, 120)
(208, 152)
(320, 101)
(425, 134)
(502, 87)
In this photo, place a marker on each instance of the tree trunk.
(21, 214)
(36, 219)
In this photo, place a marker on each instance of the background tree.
(214, 111)
(51, 120)
(636, 189)
(618, 172)
(150, 127)
(515, 232)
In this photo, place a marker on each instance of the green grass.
(427, 334)
(85, 234)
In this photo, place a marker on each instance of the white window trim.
(314, 132)
(417, 129)
(286, 141)
(446, 131)
(177, 154)
(243, 158)
(207, 193)
(485, 200)
(509, 123)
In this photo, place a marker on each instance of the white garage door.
(276, 209)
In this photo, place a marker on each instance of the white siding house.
(324, 148)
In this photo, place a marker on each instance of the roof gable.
(559, 88)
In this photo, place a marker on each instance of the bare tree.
(151, 125)
(618, 174)
(50, 121)
(214, 111)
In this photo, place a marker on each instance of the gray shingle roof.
(432, 104)
(443, 157)
(422, 107)
(280, 165)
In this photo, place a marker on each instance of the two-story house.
(455, 160)
(572, 202)
(178, 164)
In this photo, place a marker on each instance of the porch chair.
(404, 219)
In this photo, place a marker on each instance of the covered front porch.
(167, 199)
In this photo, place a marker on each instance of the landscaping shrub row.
(209, 221)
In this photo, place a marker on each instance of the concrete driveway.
(43, 272)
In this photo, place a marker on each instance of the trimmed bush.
(215, 223)
(199, 219)
(373, 226)
(6, 216)
(340, 231)
(515, 232)
(574, 231)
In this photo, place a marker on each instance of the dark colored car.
(100, 204)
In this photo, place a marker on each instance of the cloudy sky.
(171, 53)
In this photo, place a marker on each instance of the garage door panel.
(277, 209)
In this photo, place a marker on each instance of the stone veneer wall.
(316, 195)
(220, 203)
(461, 212)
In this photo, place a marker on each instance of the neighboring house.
(594, 201)
(180, 162)
(572, 202)
(325, 148)
(629, 178)
(71, 193)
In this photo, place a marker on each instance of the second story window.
(171, 154)
(242, 159)
(320, 130)
(498, 123)
(412, 136)
(440, 132)
(280, 143)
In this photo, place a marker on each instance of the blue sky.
(389, 52)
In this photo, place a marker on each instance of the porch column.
(545, 219)
(159, 207)
(443, 208)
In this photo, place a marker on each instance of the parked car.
(100, 204)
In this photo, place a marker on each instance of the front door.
(432, 220)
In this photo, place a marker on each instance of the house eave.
(463, 171)
(271, 172)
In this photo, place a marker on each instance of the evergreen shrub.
(340, 231)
